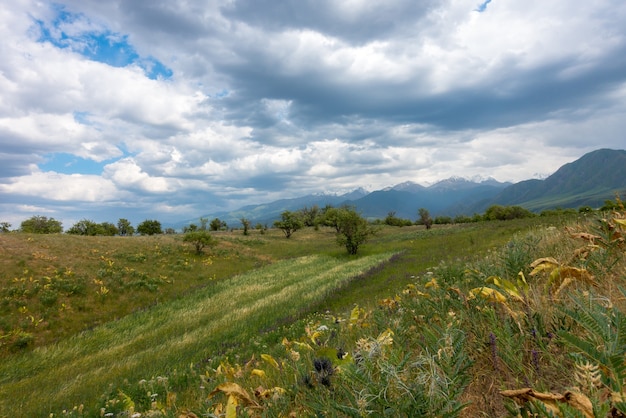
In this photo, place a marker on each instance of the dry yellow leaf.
(234, 390)
(544, 263)
(488, 294)
(270, 360)
(231, 407)
(551, 400)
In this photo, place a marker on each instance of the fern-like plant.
(604, 342)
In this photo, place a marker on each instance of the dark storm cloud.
(374, 21)
(262, 99)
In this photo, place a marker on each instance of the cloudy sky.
(169, 110)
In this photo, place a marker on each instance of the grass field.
(110, 322)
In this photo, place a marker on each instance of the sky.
(175, 109)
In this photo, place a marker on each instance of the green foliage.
(91, 228)
(424, 218)
(393, 220)
(41, 225)
(442, 220)
(4, 227)
(310, 216)
(503, 213)
(442, 346)
(330, 217)
(200, 240)
(124, 227)
(290, 222)
(604, 341)
(218, 225)
(353, 229)
(246, 225)
(149, 227)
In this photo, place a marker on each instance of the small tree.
(353, 229)
(87, 227)
(330, 217)
(149, 227)
(310, 216)
(393, 220)
(246, 225)
(124, 227)
(84, 227)
(200, 240)
(41, 225)
(290, 222)
(217, 225)
(425, 218)
(5, 226)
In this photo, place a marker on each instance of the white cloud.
(62, 187)
(266, 101)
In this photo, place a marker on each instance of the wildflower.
(494, 350)
(323, 369)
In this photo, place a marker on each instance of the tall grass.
(219, 319)
(170, 335)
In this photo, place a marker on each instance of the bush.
(393, 220)
(199, 239)
(503, 213)
(87, 227)
(290, 222)
(149, 227)
(353, 230)
(41, 225)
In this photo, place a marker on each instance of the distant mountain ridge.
(588, 181)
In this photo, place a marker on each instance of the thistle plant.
(603, 343)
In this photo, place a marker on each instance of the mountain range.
(588, 181)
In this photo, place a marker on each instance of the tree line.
(351, 227)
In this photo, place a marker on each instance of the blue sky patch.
(104, 46)
(483, 6)
(71, 164)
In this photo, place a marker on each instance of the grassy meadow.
(421, 322)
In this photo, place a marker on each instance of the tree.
(124, 228)
(290, 222)
(218, 225)
(83, 227)
(149, 227)
(425, 218)
(503, 213)
(246, 225)
(393, 220)
(442, 220)
(41, 225)
(4, 226)
(200, 239)
(330, 217)
(353, 229)
(88, 227)
(310, 216)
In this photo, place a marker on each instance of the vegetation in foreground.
(446, 344)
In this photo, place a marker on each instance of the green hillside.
(420, 323)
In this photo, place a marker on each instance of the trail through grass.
(171, 335)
